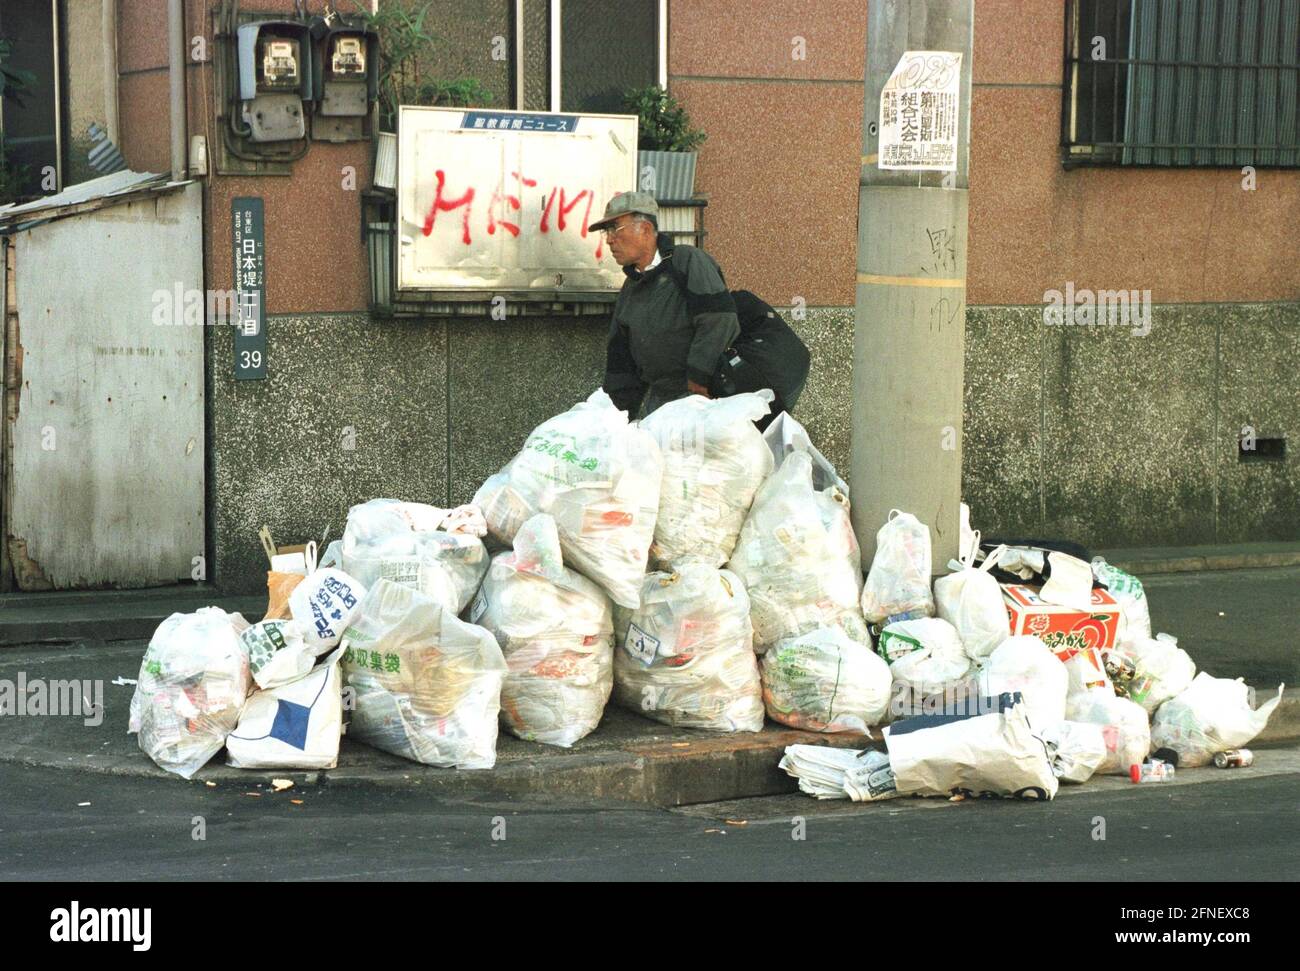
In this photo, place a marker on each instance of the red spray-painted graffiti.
(443, 203)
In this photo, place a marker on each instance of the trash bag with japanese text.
(824, 681)
(427, 685)
(417, 545)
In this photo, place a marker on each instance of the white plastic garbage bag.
(926, 659)
(971, 600)
(292, 726)
(428, 686)
(191, 687)
(1212, 715)
(824, 681)
(1126, 589)
(798, 557)
(714, 461)
(323, 605)
(1027, 665)
(556, 630)
(973, 754)
(436, 551)
(1157, 669)
(277, 652)
(1125, 727)
(686, 655)
(599, 477)
(899, 579)
(1077, 749)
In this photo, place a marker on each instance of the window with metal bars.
(1181, 83)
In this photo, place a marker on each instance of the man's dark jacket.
(660, 337)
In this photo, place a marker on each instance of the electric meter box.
(275, 78)
(500, 202)
(346, 78)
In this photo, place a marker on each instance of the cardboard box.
(1065, 630)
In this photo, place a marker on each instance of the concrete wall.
(1113, 440)
(356, 408)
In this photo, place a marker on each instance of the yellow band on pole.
(870, 159)
(911, 281)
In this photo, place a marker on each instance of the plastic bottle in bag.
(556, 631)
(714, 461)
(1125, 727)
(685, 656)
(899, 578)
(598, 476)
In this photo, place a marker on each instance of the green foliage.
(663, 123)
(407, 51)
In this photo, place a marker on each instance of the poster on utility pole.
(919, 112)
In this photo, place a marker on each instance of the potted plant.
(666, 141)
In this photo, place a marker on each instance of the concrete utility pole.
(911, 299)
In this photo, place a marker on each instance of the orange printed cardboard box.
(1065, 630)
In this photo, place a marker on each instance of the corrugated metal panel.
(102, 188)
(507, 210)
(108, 449)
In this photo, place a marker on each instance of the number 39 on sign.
(248, 245)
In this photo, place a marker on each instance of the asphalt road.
(1229, 829)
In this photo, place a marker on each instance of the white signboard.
(501, 201)
(919, 113)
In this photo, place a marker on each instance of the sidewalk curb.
(654, 773)
(1191, 562)
(115, 616)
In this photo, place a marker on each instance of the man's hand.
(694, 388)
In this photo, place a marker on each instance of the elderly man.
(674, 316)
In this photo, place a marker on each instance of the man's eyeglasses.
(611, 233)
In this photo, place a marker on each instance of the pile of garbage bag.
(1048, 675)
(704, 576)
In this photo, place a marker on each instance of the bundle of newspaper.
(840, 773)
